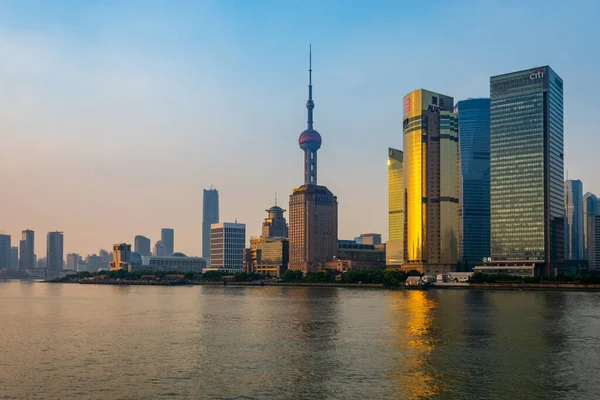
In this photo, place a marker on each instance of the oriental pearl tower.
(310, 139)
(313, 213)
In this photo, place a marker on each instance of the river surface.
(69, 341)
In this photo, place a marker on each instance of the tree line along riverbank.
(368, 279)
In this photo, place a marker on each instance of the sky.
(114, 115)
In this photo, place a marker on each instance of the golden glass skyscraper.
(431, 182)
(395, 246)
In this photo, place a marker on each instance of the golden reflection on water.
(413, 314)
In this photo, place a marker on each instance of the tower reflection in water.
(413, 314)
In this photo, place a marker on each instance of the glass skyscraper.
(210, 215)
(395, 246)
(431, 181)
(590, 208)
(526, 168)
(474, 140)
(574, 220)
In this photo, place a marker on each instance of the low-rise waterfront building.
(355, 256)
(508, 268)
(178, 262)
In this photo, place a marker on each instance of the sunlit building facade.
(395, 246)
(269, 256)
(121, 257)
(275, 225)
(431, 182)
(526, 169)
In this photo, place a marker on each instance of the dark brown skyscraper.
(313, 208)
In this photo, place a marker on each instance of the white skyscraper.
(227, 242)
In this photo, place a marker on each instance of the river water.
(68, 341)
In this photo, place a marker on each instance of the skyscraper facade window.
(210, 215)
(590, 208)
(275, 225)
(142, 245)
(526, 168)
(394, 248)
(227, 241)
(431, 181)
(26, 250)
(14, 257)
(54, 251)
(167, 236)
(5, 249)
(474, 141)
(574, 220)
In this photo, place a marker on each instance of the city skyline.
(56, 143)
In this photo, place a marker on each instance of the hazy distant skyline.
(114, 116)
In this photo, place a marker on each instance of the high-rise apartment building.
(593, 250)
(14, 258)
(526, 169)
(313, 209)
(227, 242)
(474, 141)
(141, 245)
(394, 249)
(5, 248)
(574, 220)
(121, 257)
(26, 250)
(210, 215)
(54, 251)
(73, 261)
(167, 236)
(431, 181)
(160, 250)
(275, 225)
(590, 206)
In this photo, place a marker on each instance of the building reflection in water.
(413, 313)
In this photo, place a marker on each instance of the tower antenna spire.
(310, 104)
(275, 198)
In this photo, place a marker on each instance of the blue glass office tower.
(474, 141)
(574, 220)
(526, 169)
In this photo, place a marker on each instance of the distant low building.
(368, 238)
(508, 268)
(73, 261)
(178, 262)
(354, 256)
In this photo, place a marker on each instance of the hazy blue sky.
(114, 115)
